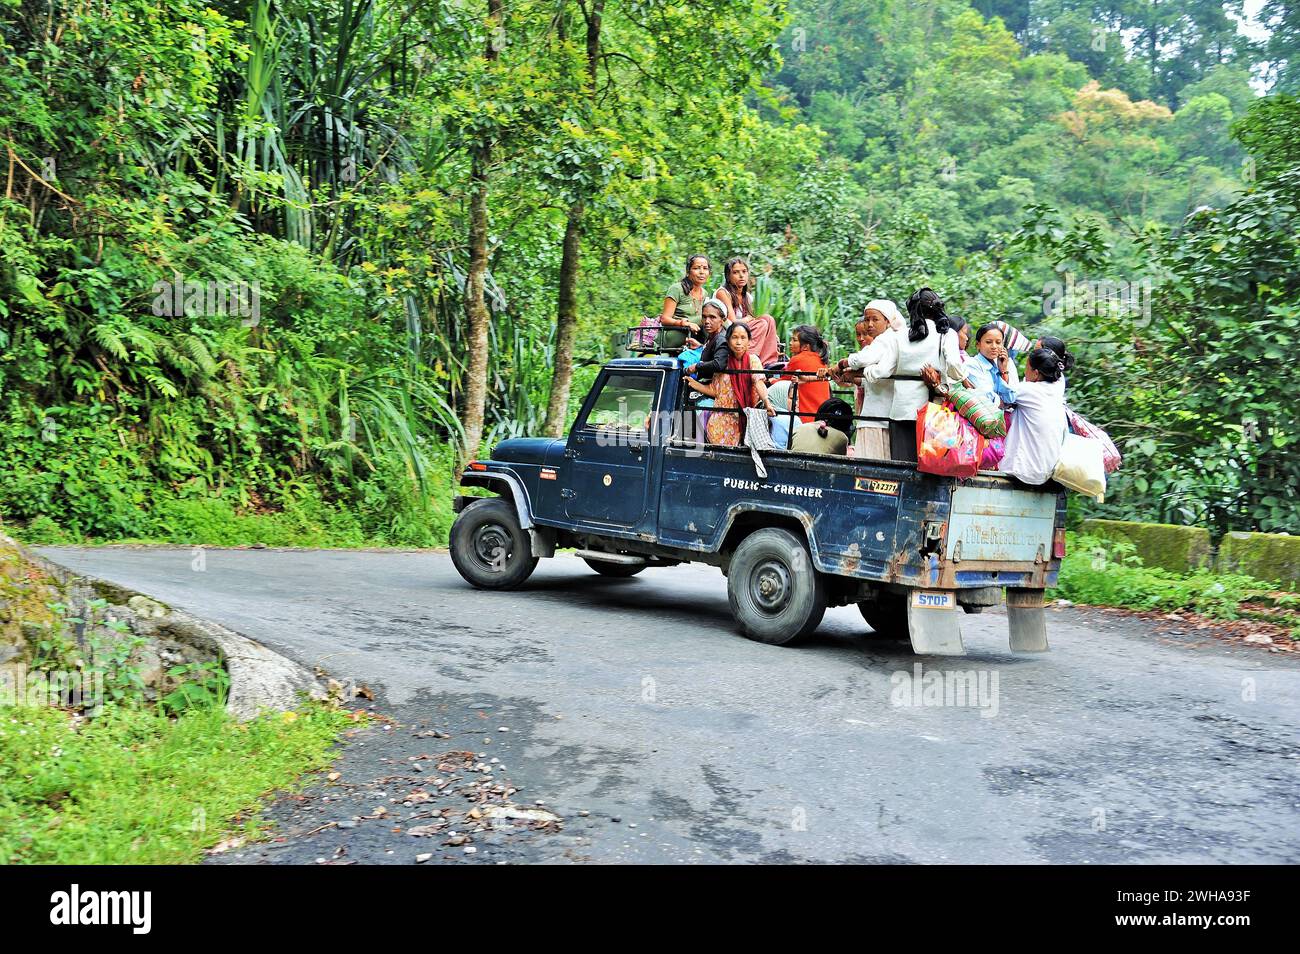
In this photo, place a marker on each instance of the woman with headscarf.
(874, 395)
(737, 293)
(733, 393)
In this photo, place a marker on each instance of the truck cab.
(635, 484)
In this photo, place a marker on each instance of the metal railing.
(791, 412)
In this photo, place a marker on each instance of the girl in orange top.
(808, 353)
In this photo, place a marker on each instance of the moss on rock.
(1274, 557)
(25, 594)
(1170, 547)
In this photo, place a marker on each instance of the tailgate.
(1001, 523)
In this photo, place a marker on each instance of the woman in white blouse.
(880, 320)
(1038, 422)
(927, 342)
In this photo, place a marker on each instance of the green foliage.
(201, 685)
(1106, 572)
(137, 787)
(1189, 383)
(320, 153)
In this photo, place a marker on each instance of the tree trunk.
(475, 302)
(566, 312)
(566, 330)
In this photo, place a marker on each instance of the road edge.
(260, 678)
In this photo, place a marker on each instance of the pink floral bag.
(643, 337)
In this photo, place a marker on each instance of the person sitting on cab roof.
(737, 293)
(683, 300)
(732, 392)
(829, 433)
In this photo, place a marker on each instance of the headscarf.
(779, 395)
(887, 308)
(762, 338)
(717, 303)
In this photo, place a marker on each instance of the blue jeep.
(632, 486)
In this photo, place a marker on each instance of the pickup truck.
(633, 486)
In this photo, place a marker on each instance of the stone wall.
(259, 678)
(1274, 557)
(1174, 548)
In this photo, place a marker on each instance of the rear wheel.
(887, 615)
(489, 548)
(609, 568)
(775, 593)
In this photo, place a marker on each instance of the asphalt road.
(637, 700)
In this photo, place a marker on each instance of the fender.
(780, 510)
(496, 480)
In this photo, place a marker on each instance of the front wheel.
(489, 548)
(775, 592)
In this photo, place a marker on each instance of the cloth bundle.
(643, 338)
(1080, 467)
(758, 437)
(986, 418)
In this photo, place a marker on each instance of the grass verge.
(1102, 572)
(136, 787)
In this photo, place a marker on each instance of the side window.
(626, 402)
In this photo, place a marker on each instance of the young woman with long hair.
(808, 353)
(737, 292)
(732, 392)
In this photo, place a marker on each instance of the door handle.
(568, 493)
(636, 449)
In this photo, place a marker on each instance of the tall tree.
(566, 316)
(476, 310)
(1282, 17)
(658, 91)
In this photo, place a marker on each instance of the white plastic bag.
(1082, 466)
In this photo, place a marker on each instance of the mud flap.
(1026, 620)
(932, 623)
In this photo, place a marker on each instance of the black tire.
(887, 615)
(776, 594)
(489, 548)
(609, 568)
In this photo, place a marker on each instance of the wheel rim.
(492, 547)
(770, 586)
